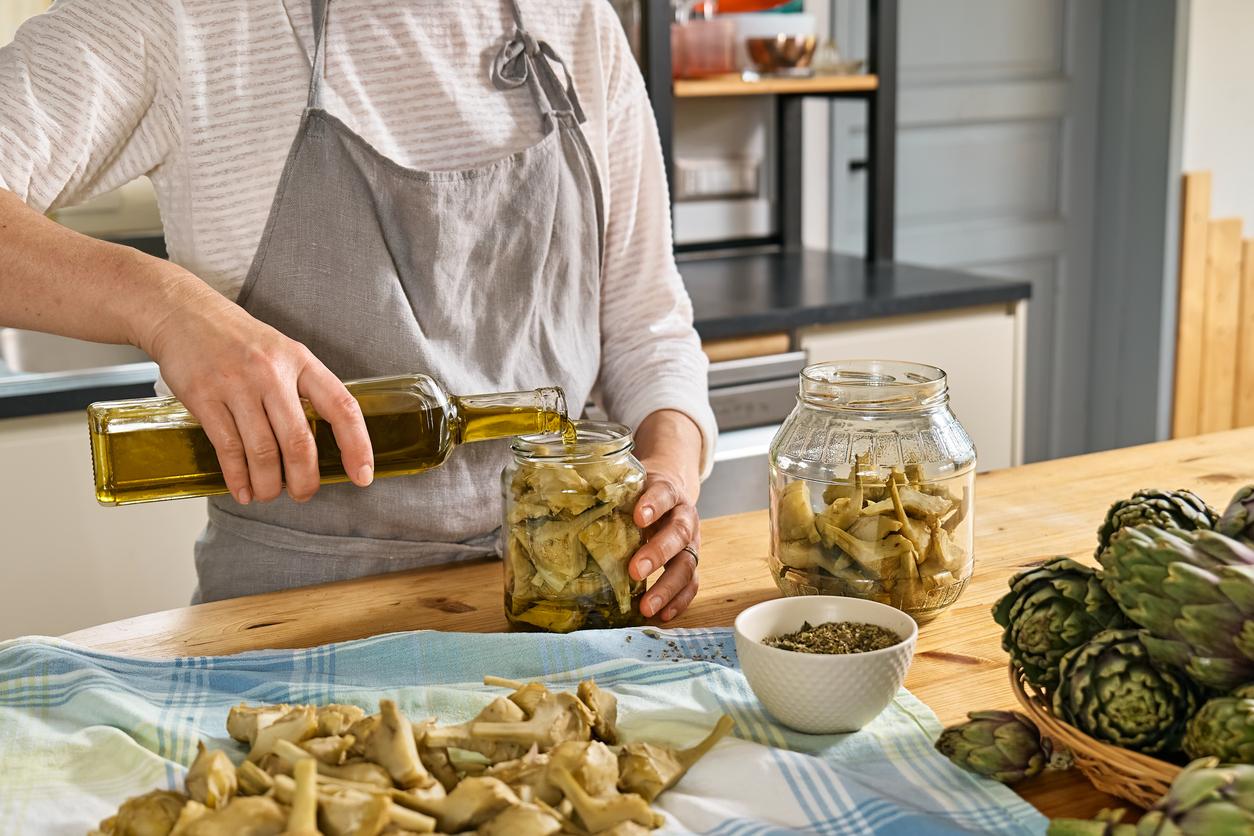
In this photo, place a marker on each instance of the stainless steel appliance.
(751, 398)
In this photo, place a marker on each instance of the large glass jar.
(568, 532)
(872, 487)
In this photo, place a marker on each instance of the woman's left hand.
(667, 510)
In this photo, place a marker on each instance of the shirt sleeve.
(651, 357)
(88, 99)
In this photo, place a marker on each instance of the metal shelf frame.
(881, 163)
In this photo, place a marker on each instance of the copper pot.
(782, 54)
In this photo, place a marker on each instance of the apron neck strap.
(321, 12)
(525, 60)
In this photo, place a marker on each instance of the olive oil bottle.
(150, 449)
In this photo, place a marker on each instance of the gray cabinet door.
(996, 159)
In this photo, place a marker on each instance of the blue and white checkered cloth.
(80, 731)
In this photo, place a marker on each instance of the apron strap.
(321, 12)
(525, 60)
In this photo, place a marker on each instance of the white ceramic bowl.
(822, 693)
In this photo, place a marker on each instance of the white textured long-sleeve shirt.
(204, 96)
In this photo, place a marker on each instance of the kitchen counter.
(1025, 515)
(740, 295)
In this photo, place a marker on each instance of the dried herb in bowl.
(835, 637)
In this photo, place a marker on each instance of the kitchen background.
(1037, 142)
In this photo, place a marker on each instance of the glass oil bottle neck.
(508, 414)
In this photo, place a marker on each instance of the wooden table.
(1024, 515)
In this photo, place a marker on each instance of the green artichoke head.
(1050, 610)
(1002, 745)
(1183, 510)
(1237, 520)
(1224, 728)
(1112, 690)
(1193, 592)
(1205, 800)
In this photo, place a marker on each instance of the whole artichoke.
(1049, 610)
(1002, 745)
(1110, 689)
(1194, 594)
(1204, 800)
(1224, 728)
(1183, 510)
(1237, 520)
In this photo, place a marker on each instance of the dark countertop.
(732, 296)
(735, 296)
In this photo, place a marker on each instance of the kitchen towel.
(81, 731)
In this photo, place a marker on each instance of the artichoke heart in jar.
(872, 488)
(568, 532)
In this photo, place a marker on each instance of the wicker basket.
(1130, 775)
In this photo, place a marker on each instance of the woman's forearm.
(56, 280)
(669, 438)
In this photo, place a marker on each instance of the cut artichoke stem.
(602, 813)
(650, 770)
(303, 819)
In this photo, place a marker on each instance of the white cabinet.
(69, 563)
(981, 349)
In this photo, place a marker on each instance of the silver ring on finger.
(696, 558)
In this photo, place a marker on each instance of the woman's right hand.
(243, 380)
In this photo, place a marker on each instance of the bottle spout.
(509, 414)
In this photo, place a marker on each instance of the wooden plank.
(1025, 515)
(1244, 396)
(1221, 323)
(739, 348)
(734, 85)
(1194, 222)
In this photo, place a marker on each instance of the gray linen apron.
(488, 279)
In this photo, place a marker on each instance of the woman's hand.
(243, 380)
(669, 447)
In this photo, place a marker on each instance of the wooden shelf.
(734, 85)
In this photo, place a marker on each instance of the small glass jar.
(568, 531)
(872, 488)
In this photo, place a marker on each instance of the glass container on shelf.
(872, 488)
(568, 531)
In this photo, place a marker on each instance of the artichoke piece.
(331, 749)
(528, 776)
(875, 528)
(250, 816)
(604, 812)
(920, 505)
(303, 820)
(524, 819)
(796, 514)
(151, 814)
(252, 779)
(334, 719)
(296, 726)
(552, 617)
(1110, 689)
(522, 572)
(243, 721)
(561, 488)
(1224, 728)
(604, 708)
(557, 717)
(1182, 510)
(1051, 610)
(649, 770)
(500, 710)
(1194, 594)
(211, 778)
(880, 559)
(471, 803)
(612, 541)
(1003, 745)
(556, 552)
(594, 765)
(837, 517)
(288, 754)
(387, 739)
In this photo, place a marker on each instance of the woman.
(472, 190)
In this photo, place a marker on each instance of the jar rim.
(874, 385)
(593, 440)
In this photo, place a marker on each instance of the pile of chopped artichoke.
(535, 763)
(891, 541)
(569, 538)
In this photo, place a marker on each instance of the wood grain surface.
(1190, 318)
(1024, 515)
(734, 85)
